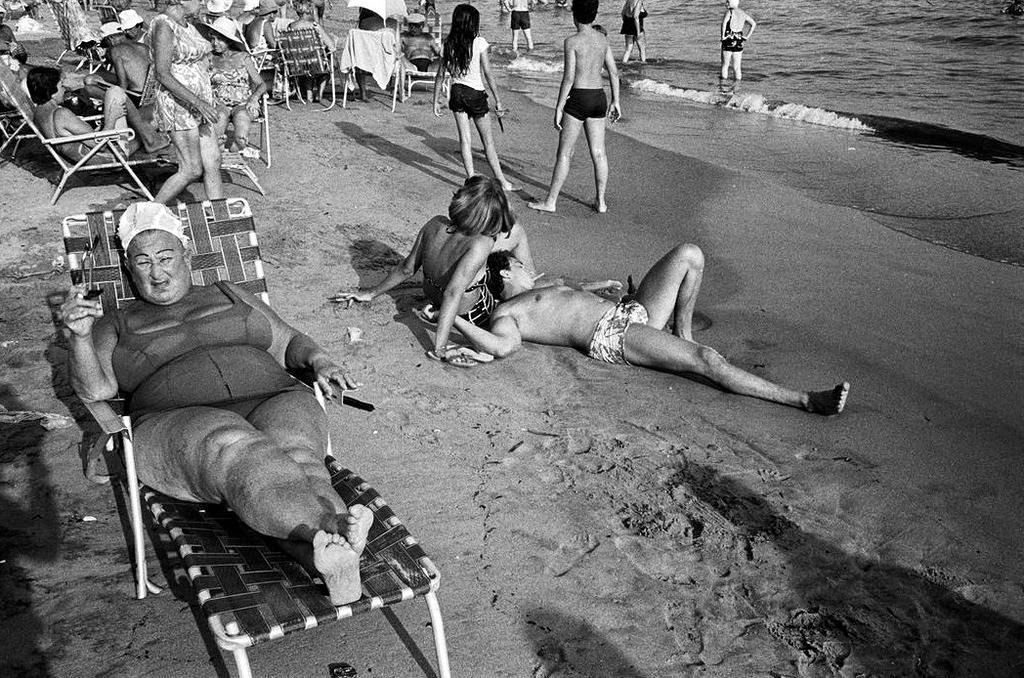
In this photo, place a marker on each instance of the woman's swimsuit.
(218, 360)
(231, 87)
(607, 344)
(586, 103)
(733, 40)
(480, 313)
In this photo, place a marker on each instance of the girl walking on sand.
(465, 59)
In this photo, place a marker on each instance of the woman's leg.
(641, 45)
(242, 121)
(737, 65)
(595, 140)
(725, 64)
(209, 152)
(190, 165)
(669, 290)
(483, 127)
(629, 48)
(465, 141)
(566, 147)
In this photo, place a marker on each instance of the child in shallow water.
(236, 81)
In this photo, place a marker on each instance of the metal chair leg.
(440, 644)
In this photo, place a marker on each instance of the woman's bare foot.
(828, 402)
(541, 206)
(356, 525)
(600, 206)
(338, 564)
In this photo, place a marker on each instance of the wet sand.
(588, 520)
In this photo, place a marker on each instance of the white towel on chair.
(373, 51)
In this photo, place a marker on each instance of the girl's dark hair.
(458, 44)
(480, 207)
(42, 83)
(496, 263)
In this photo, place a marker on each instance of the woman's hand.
(437, 109)
(358, 296)
(79, 314)
(210, 113)
(329, 374)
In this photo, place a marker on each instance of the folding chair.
(78, 37)
(413, 76)
(377, 52)
(107, 14)
(303, 54)
(248, 589)
(104, 141)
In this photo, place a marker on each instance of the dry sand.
(588, 520)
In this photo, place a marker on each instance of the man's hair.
(584, 11)
(497, 262)
(42, 83)
(480, 207)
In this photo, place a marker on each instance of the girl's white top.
(472, 77)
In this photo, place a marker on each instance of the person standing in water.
(582, 104)
(633, 15)
(733, 23)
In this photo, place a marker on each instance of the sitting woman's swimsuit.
(218, 360)
(608, 341)
(231, 87)
(480, 313)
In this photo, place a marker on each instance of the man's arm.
(615, 108)
(568, 75)
(502, 340)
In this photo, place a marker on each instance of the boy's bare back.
(590, 48)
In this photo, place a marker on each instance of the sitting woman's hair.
(480, 207)
(584, 11)
(496, 263)
(42, 83)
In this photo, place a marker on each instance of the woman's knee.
(689, 255)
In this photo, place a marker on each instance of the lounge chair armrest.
(127, 133)
(108, 420)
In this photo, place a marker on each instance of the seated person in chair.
(304, 19)
(46, 89)
(216, 416)
(133, 25)
(236, 82)
(419, 48)
(630, 332)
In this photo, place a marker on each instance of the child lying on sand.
(629, 332)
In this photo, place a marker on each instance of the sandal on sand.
(427, 314)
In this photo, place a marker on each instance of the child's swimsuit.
(520, 20)
(586, 103)
(608, 341)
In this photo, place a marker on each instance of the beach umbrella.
(385, 8)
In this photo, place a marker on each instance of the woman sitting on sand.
(453, 253)
(236, 82)
(216, 416)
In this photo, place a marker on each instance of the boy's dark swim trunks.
(520, 20)
(586, 103)
(467, 100)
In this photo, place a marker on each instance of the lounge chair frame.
(248, 589)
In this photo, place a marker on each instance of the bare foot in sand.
(600, 206)
(541, 207)
(357, 525)
(510, 188)
(828, 402)
(338, 565)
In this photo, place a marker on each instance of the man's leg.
(670, 288)
(595, 141)
(566, 147)
(648, 347)
(515, 39)
(529, 39)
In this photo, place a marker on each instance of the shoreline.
(587, 519)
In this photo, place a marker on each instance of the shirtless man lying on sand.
(630, 332)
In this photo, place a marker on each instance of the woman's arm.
(163, 54)
(485, 70)
(466, 270)
(91, 346)
(398, 275)
(256, 84)
(753, 24)
(502, 340)
(520, 246)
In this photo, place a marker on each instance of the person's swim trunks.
(629, 25)
(733, 42)
(472, 102)
(520, 20)
(607, 343)
(586, 103)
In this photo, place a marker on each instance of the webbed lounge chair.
(303, 54)
(248, 589)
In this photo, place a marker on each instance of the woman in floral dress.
(185, 107)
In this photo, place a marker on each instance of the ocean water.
(911, 111)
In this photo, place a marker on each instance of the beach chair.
(107, 14)
(412, 76)
(104, 141)
(79, 39)
(303, 54)
(249, 591)
(377, 52)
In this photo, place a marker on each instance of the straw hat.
(110, 28)
(129, 18)
(218, 7)
(225, 28)
(148, 216)
(267, 7)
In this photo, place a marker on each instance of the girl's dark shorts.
(467, 100)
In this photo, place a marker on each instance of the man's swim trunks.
(586, 103)
(733, 42)
(467, 100)
(607, 343)
(520, 20)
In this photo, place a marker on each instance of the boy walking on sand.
(520, 23)
(582, 103)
